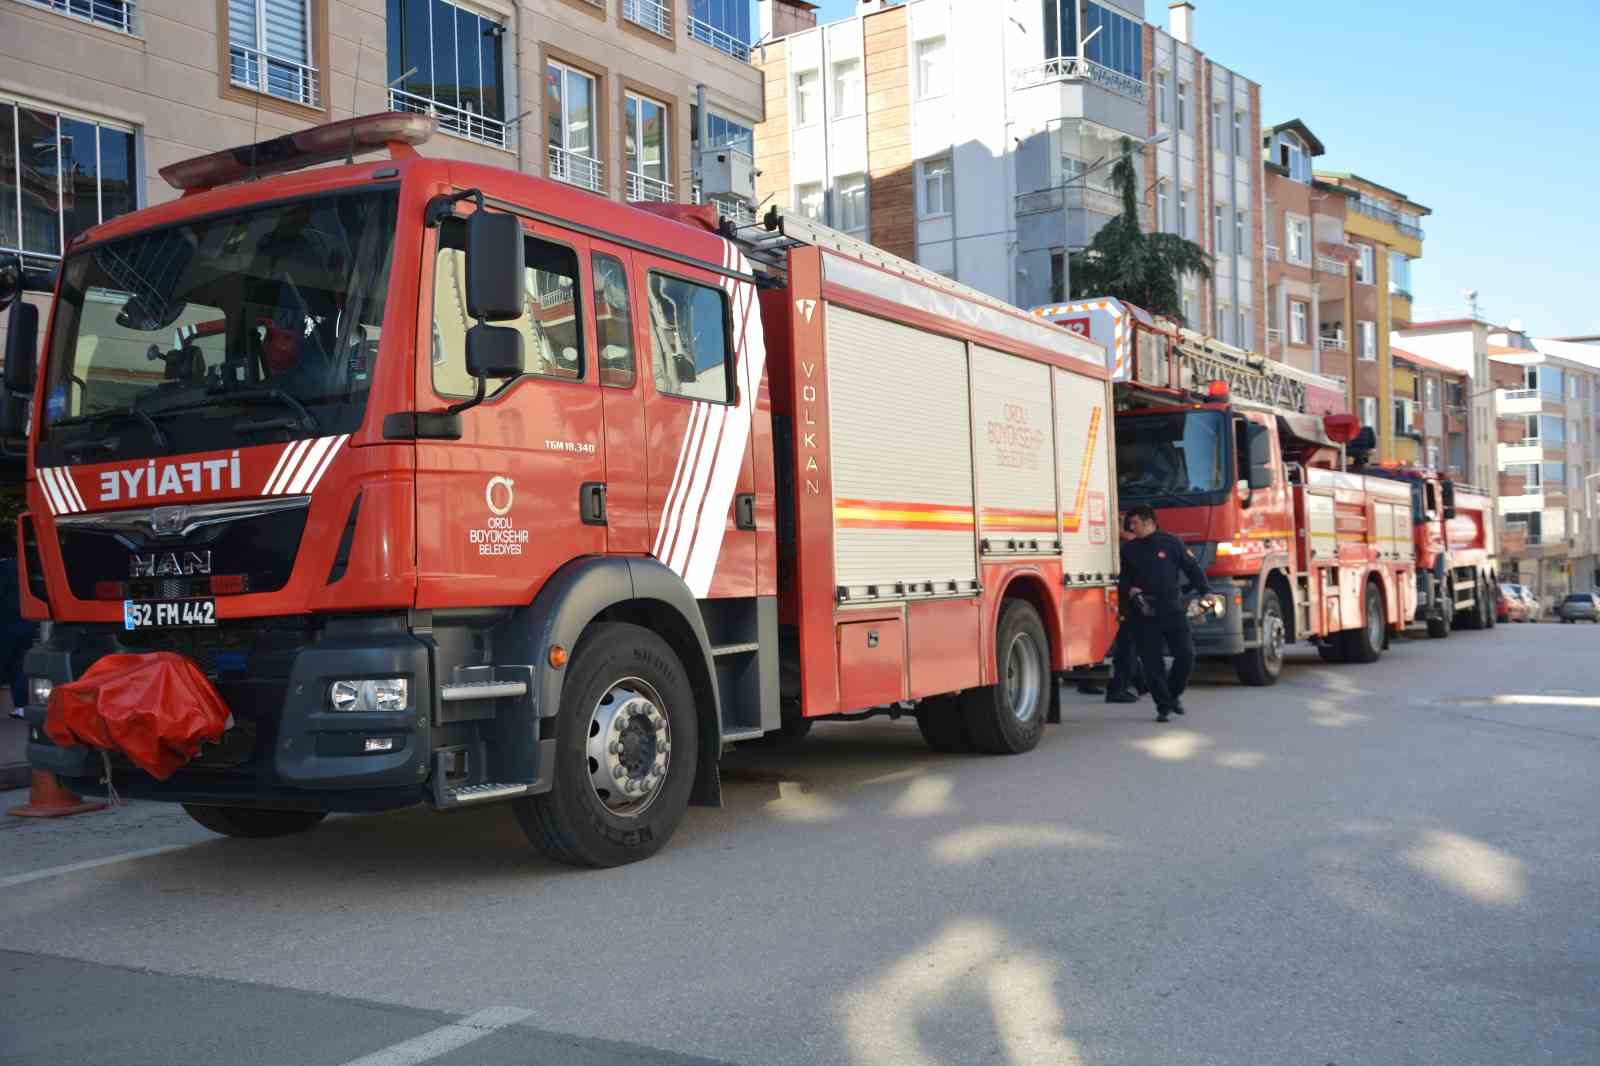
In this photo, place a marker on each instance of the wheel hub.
(1273, 639)
(629, 747)
(1023, 677)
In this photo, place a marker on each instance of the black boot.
(1090, 688)
(1121, 695)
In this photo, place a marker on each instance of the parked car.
(1531, 602)
(1509, 605)
(1580, 607)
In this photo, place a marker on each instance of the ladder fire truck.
(1243, 458)
(486, 488)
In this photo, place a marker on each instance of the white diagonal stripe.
(72, 488)
(327, 461)
(278, 483)
(50, 491)
(664, 527)
(308, 466)
(694, 499)
(277, 468)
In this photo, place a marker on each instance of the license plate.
(168, 614)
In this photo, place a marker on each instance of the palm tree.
(1125, 262)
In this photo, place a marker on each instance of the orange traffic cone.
(47, 799)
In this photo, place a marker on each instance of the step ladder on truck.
(461, 486)
(1243, 458)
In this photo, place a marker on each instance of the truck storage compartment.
(872, 662)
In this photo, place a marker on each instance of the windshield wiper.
(303, 419)
(129, 412)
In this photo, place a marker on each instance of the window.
(807, 108)
(1552, 431)
(808, 198)
(1430, 393)
(722, 132)
(269, 49)
(570, 108)
(1365, 265)
(1555, 475)
(1550, 383)
(1299, 315)
(1433, 456)
(1399, 274)
(1291, 154)
(459, 61)
(1163, 196)
(1162, 106)
(613, 321)
(937, 187)
(1183, 105)
(551, 327)
(1120, 43)
(118, 14)
(1058, 276)
(933, 76)
(1572, 387)
(1404, 416)
(1367, 340)
(1367, 406)
(645, 145)
(1183, 214)
(848, 94)
(689, 346)
(1219, 231)
(1224, 319)
(66, 175)
(1219, 129)
(1241, 240)
(1060, 28)
(1241, 146)
(1299, 248)
(1189, 312)
(852, 204)
(722, 24)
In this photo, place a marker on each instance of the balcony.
(462, 122)
(262, 73)
(644, 187)
(1333, 266)
(1077, 197)
(1071, 68)
(1520, 402)
(116, 14)
(1274, 336)
(653, 16)
(576, 169)
(1512, 485)
(722, 41)
(1333, 342)
(1383, 214)
(1274, 253)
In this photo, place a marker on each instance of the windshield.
(1179, 454)
(256, 326)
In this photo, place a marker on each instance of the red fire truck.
(1243, 458)
(491, 489)
(1453, 530)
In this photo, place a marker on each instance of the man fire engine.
(415, 480)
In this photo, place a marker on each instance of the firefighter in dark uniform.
(1153, 565)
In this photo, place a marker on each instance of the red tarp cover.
(156, 708)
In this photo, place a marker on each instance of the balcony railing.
(1383, 214)
(575, 169)
(653, 16)
(1274, 336)
(1084, 197)
(1399, 293)
(296, 82)
(117, 14)
(1333, 342)
(1332, 266)
(1274, 252)
(644, 187)
(722, 41)
(1071, 68)
(1522, 394)
(461, 121)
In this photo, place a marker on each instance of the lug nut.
(618, 772)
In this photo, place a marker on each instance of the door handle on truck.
(592, 503)
(744, 510)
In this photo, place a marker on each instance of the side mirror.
(494, 352)
(495, 266)
(10, 278)
(1259, 472)
(1449, 513)
(22, 346)
(685, 369)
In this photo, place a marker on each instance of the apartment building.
(1339, 254)
(97, 95)
(993, 169)
(1435, 413)
(1462, 345)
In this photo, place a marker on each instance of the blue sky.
(1481, 111)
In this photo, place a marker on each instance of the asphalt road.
(1387, 864)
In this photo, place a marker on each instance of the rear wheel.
(1440, 621)
(1333, 652)
(1365, 645)
(627, 746)
(1263, 666)
(254, 822)
(1007, 718)
(944, 725)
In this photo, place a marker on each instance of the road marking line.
(445, 1039)
(89, 864)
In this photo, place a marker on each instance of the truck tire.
(1007, 718)
(944, 725)
(1365, 644)
(1486, 600)
(1262, 666)
(1440, 622)
(253, 822)
(627, 744)
(1333, 652)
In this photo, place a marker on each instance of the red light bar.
(1341, 429)
(1217, 390)
(307, 148)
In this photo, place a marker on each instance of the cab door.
(617, 312)
(504, 506)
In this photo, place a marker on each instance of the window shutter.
(287, 30)
(242, 24)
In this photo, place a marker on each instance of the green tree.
(1125, 262)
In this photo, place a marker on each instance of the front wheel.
(253, 822)
(627, 746)
(1263, 666)
(1007, 718)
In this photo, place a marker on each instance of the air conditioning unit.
(727, 173)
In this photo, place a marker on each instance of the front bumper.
(1235, 630)
(286, 748)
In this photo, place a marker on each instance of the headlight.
(39, 689)
(1226, 548)
(379, 694)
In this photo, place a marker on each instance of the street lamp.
(1157, 139)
